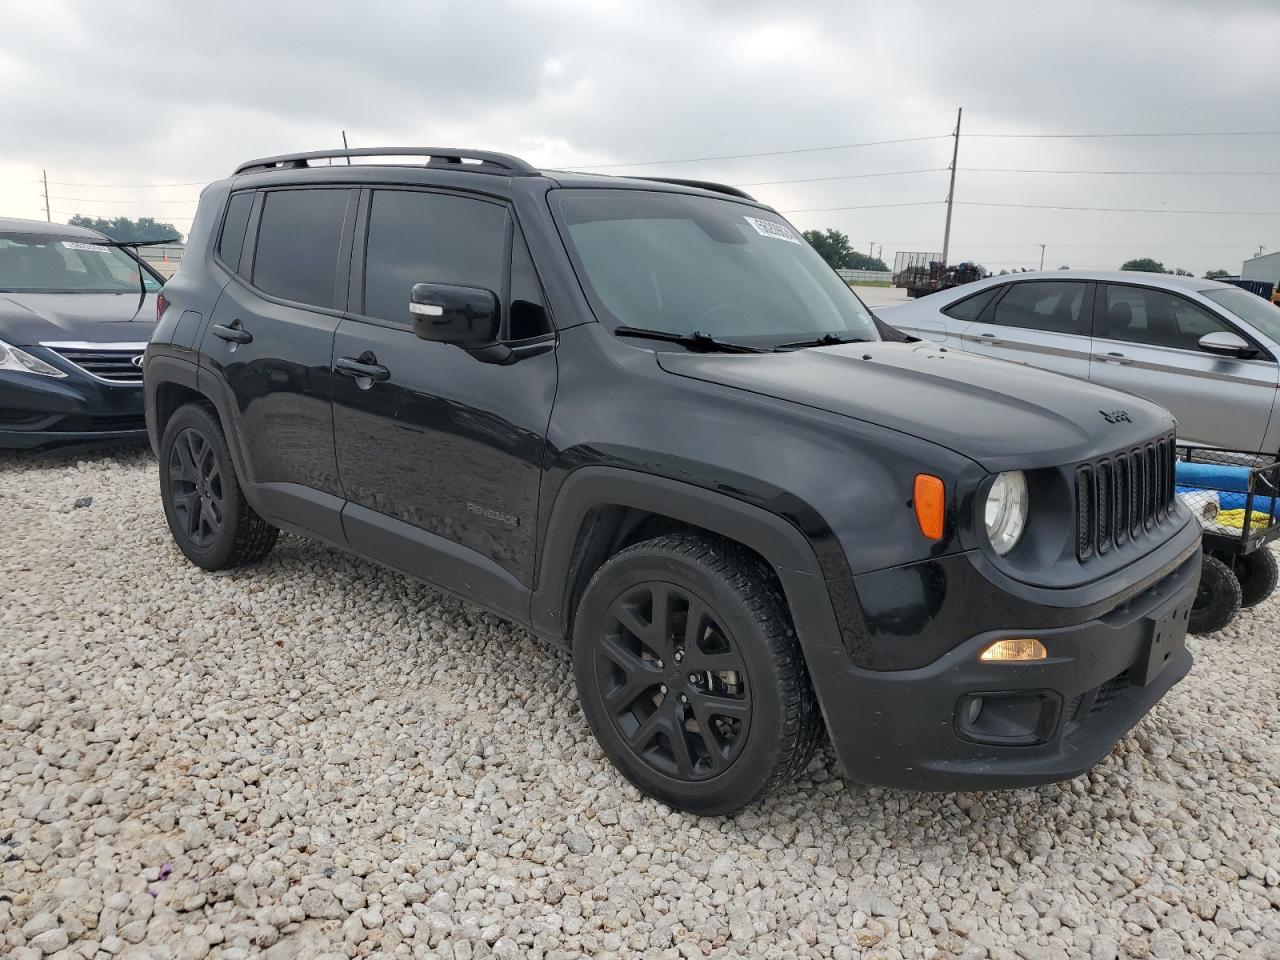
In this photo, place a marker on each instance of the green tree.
(1144, 265)
(122, 228)
(1179, 272)
(1218, 274)
(834, 247)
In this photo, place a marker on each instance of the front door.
(270, 343)
(1042, 323)
(1146, 341)
(440, 453)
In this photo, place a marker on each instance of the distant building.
(1265, 268)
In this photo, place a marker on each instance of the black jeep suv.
(643, 419)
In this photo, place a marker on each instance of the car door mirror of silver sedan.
(1224, 343)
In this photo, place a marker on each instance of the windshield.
(1251, 308)
(680, 264)
(38, 263)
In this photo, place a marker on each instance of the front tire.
(1217, 597)
(203, 503)
(690, 673)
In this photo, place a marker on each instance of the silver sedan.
(1206, 350)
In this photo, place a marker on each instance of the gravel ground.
(317, 757)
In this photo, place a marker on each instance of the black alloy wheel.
(674, 682)
(691, 675)
(211, 522)
(195, 486)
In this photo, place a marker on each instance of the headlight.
(11, 358)
(1006, 510)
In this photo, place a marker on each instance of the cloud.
(148, 92)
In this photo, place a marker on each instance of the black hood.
(1003, 415)
(28, 319)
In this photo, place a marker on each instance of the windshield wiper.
(694, 340)
(826, 340)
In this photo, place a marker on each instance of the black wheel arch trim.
(782, 545)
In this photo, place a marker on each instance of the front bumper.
(37, 411)
(1036, 722)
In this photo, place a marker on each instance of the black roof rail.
(702, 184)
(488, 162)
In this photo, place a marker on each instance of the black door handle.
(232, 334)
(367, 366)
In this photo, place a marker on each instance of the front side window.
(684, 264)
(970, 307)
(298, 241)
(1052, 306)
(38, 263)
(418, 237)
(1156, 318)
(1251, 308)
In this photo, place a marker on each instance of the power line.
(1106, 136)
(1128, 173)
(869, 206)
(193, 183)
(847, 176)
(121, 200)
(1052, 206)
(771, 153)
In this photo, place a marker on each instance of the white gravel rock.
(318, 758)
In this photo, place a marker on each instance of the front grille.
(112, 363)
(1121, 497)
(1092, 702)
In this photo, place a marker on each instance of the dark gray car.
(1206, 350)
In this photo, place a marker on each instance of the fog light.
(975, 710)
(1008, 651)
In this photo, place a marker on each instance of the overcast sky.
(121, 100)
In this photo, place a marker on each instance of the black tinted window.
(528, 314)
(1141, 315)
(430, 238)
(232, 240)
(970, 307)
(1049, 305)
(298, 240)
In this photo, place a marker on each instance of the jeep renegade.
(643, 419)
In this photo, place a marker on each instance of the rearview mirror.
(1224, 343)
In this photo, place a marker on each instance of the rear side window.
(233, 226)
(1052, 306)
(298, 241)
(1156, 317)
(417, 237)
(970, 307)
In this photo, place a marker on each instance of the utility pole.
(1042, 256)
(951, 193)
(44, 176)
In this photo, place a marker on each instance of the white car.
(1206, 350)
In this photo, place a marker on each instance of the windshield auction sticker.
(767, 228)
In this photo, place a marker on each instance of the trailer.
(925, 273)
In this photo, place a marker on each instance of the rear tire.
(690, 673)
(1217, 597)
(210, 521)
(1258, 573)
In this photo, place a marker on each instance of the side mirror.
(1224, 343)
(464, 316)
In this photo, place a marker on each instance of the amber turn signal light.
(1011, 651)
(930, 501)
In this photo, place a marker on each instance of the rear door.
(1146, 341)
(269, 346)
(1042, 323)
